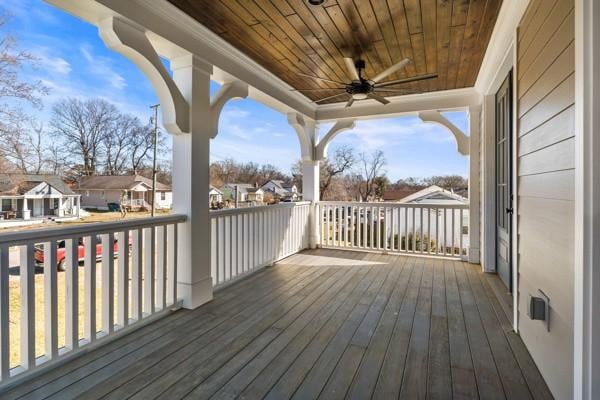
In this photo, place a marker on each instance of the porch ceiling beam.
(435, 117)
(448, 100)
(132, 42)
(229, 91)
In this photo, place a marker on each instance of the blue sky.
(73, 62)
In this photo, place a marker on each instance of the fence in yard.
(433, 229)
(135, 281)
(247, 239)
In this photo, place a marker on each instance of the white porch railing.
(247, 239)
(135, 281)
(432, 229)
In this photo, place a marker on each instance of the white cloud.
(103, 68)
(55, 64)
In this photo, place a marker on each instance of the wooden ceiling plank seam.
(259, 52)
(419, 48)
(343, 25)
(413, 16)
(444, 20)
(485, 33)
(398, 16)
(429, 23)
(460, 9)
(290, 49)
(266, 43)
(454, 53)
(310, 18)
(476, 9)
(278, 23)
(314, 42)
(284, 8)
(384, 19)
(352, 16)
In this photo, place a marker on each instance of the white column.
(191, 183)
(26, 211)
(474, 176)
(310, 192)
(61, 207)
(78, 206)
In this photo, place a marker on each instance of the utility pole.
(155, 107)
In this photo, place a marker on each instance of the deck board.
(320, 324)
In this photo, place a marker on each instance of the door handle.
(509, 210)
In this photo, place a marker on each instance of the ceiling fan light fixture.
(315, 2)
(359, 96)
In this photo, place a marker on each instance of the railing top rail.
(16, 238)
(394, 204)
(242, 210)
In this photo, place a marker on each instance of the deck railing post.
(191, 183)
(310, 188)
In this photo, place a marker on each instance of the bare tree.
(372, 167)
(140, 146)
(342, 161)
(117, 144)
(83, 126)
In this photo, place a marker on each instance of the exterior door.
(504, 169)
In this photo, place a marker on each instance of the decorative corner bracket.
(132, 42)
(435, 117)
(339, 127)
(229, 90)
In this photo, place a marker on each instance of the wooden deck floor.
(321, 324)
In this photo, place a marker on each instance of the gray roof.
(117, 182)
(242, 187)
(19, 184)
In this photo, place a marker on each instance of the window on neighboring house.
(103, 194)
(6, 204)
(163, 196)
(87, 193)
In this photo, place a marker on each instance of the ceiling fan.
(361, 88)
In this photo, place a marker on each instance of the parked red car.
(61, 252)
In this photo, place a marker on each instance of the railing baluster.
(89, 285)
(4, 313)
(27, 272)
(149, 270)
(108, 258)
(50, 300)
(452, 250)
(72, 294)
(123, 280)
(422, 230)
(460, 233)
(445, 250)
(161, 270)
(172, 266)
(136, 274)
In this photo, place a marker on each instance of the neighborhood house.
(281, 190)
(32, 198)
(97, 192)
(246, 193)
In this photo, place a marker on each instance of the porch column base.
(26, 214)
(474, 256)
(195, 294)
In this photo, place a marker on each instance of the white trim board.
(586, 344)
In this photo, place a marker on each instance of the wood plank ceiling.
(287, 37)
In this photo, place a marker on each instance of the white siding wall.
(545, 112)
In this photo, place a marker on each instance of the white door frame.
(587, 201)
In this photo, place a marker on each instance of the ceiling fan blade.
(349, 103)
(321, 79)
(396, 67)
(352, 71)
(380, 99)
(313, 89)
(331, 97)
(406, 80)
